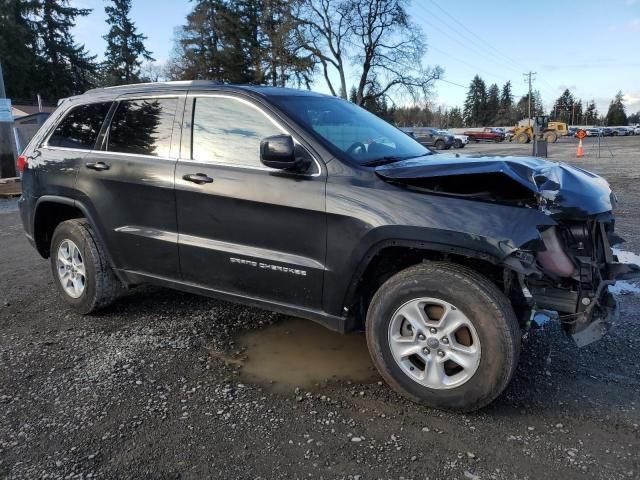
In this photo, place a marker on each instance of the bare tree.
(326, 28)
(390, 50)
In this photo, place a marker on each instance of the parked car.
(636, 131)
(489, 134)
(309, 205)
(607, 132)
(622, 131)
(459, 141)
(593, 132)
(431, 137)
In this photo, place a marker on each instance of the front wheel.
(80, 268)
(439, 144)
(444, 336)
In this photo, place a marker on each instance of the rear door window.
(143, 127)
(79, 129)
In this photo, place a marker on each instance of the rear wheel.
(444, 336)
(80, 268)
(439, 144)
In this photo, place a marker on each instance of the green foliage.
(505, 115)
(241, 41)
(475, 106)
(39, 53)
(522, 108)
(567, 109)
(616, 114)
(493, 104)
(591, 115)
(125, 47)
(17, 46)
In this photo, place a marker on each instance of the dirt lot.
(167, 384)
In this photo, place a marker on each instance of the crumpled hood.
(562, 189)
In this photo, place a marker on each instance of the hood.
(560, 189)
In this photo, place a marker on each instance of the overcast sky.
(591, 47)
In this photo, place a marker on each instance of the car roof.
(188, 85)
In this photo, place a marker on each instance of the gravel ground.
(153, 387)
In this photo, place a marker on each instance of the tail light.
(22, 163)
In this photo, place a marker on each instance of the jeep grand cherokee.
(307, 204)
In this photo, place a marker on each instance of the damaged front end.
(565, 273)
(577, 266)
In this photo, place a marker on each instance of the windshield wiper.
(389, 159)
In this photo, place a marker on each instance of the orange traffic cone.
(580, 152)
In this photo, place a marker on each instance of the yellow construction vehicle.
(550, 133)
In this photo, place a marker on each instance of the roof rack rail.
(185, 83)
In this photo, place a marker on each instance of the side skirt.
(332, 322)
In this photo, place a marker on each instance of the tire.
(474, 297)
(522, 138)
(498, 139)
(100, 287)
(439, 144)
(457, 143)
(550, 137)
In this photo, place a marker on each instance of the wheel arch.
(389, 257)
(50, 211)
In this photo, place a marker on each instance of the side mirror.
(278, 152)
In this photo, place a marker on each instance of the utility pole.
(8, 152)
(529, 75)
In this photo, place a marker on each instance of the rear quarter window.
(80, 127)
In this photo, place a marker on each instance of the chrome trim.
(249, 251)
(218, 245)
(269, 117)
(163, 235)
(66, 149)
(144, 155)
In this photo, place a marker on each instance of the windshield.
(350, 131)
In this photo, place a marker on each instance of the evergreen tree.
(456, 120)
(353, 95)
(591, 114)
(125, 47)
(634, 118)
(616, 114)
(493, 104)
(241, 41)
(567, 109)
(18, 49)
(64, 67)
(505, 114)
(475, 106)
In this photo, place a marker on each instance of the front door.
(244, 228)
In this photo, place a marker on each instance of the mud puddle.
(300, 353)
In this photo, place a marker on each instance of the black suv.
(309, 205)
(431, 137)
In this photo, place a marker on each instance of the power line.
(490, 46)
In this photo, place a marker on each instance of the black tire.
(457, 143)
(102, 287)
(483, 304)
(439, 144)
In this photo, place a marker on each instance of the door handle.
(199, 178)
(99, 166)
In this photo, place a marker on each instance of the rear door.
(128, 183)
(244, 228)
